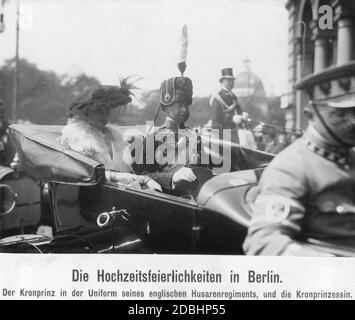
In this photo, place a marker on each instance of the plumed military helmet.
(99, 96)
(173, 90)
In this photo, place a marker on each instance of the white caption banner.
(174, 277)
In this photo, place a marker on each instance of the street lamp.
(16, 73)
(2, 23)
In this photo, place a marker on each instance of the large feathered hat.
(102, 96)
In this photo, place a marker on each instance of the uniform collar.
(172, 125)
(326, 147)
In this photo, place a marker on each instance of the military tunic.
(175, 147)
(307, 191)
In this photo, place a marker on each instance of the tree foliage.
(43, 95)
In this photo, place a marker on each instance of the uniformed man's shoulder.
(293, 158)
(294, 153)
(288, 173)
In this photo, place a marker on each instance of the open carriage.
(68, 192)
(71, 193)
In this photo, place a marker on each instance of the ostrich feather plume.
(184, 45)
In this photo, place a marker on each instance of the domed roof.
(247, 83)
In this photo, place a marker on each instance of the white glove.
(245, 116)
(237, 119)
(183, 174)
(154, 186)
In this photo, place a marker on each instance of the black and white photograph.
(191, 141)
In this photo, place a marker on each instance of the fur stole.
(81, 137)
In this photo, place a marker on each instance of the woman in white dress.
(89, 133)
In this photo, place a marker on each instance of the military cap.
(341, 104)
(173, 90)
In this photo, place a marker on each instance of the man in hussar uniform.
(173, 148)
(225, 104)
(307, 191)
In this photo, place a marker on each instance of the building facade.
(321, 54)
